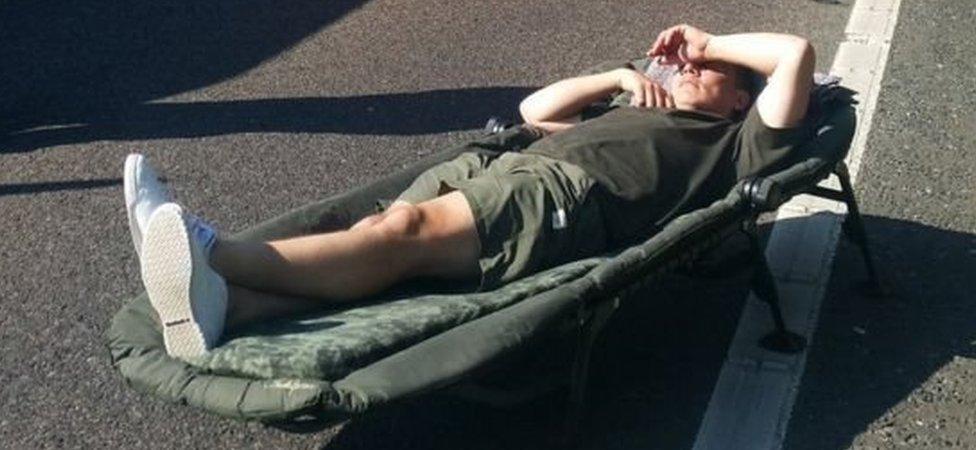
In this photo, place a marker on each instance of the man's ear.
(742, 100)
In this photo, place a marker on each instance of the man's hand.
(680, 44)
(645, 92)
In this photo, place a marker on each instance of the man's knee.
(436, 237)
(374, 219)
(444, 217)
(401, 223)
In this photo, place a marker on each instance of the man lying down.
(590, 184)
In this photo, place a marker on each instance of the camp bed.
(429, 336)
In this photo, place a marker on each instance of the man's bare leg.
(433, 238)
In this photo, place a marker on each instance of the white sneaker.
(143, 194)
(189, 296)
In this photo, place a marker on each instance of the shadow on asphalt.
(412, 113)
(53, 186)
(89, 60)
(869, 354)
(89, 70)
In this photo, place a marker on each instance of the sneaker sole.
(166, 272)
(129, 177)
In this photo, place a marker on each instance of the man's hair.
(749, 81)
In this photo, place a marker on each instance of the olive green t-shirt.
(656, 164)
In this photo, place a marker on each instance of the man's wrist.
(708, 50)
(617, 77)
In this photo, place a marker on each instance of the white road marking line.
(753, 399)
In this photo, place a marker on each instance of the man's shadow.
(74, 72)
(414, 113)
(655, 366)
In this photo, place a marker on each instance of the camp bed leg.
(764, 286)
(853, 227)
(590, 324)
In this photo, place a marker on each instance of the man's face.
(709, 86)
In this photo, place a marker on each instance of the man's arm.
(787, 61)
(557, 107)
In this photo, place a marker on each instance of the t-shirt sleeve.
(761, 150)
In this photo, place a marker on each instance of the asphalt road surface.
(252, 108)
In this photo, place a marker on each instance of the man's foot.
(189, 296)
(143, 194)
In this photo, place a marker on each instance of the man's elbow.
(528, 111)
(805, 54)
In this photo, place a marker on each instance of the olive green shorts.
(531, 212)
